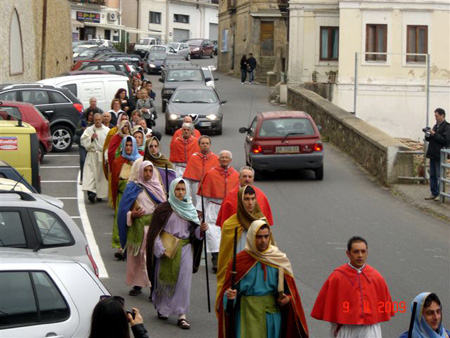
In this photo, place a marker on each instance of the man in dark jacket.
(438, 138)
(251, 62)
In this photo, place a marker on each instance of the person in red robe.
(199, 164)
(264, 299)
(230, 203)
(182, 149)
(216, 184)
(179, 131)
(123, 130)
(355, 298)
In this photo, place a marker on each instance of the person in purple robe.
(165, 167)
(174, 247)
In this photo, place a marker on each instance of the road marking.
(67, 155)
(61, 167)
(75, 217)
(62, 181)
(102, 273)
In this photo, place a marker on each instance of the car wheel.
(212, 54)
(164, 107)
(319, 173)
(168, 130)
(258, 175)
(188, 57)
(219, 130)
(41, 153)
(62, 138)
(200, 56)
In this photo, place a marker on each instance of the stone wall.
(374, 150)
(58, 51)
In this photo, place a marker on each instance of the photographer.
(109, 319)
(438, 138)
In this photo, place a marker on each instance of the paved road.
(313, 222)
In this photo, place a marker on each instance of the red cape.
(293, 317)
(112, 148)
(350, 298)
(229, 206)
(179, 131)
(181, 149)
(199, 164)
(217, 182)
(116, 168)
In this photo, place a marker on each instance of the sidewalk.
(415, 195)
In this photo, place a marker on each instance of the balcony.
(90, 2)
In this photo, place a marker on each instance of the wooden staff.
(206, 255)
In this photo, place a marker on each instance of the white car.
(207, 72)
(182, 49)
(102, 42)
(80, 48)
(46, 295)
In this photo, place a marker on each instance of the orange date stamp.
(381, 307)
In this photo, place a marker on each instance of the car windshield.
(158, 48)
(187, 75)
(145, 41)
(194, 96)
(157, 55)
(9, 113)
(194, 42)
(284, 126)
(79, 49)
(174, 45)
(88, 52)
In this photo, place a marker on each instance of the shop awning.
(104, 25)
(77, 24)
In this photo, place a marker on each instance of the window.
(253, 127)
(376, 42)
(22, 291)
(58, 98)
(9, 96)
(72, 88)
(417, 43)
(11, 230)
(181, 18)
(53, 232)
(329, 43)
(155, 17)
(266, 37)
(283, 127)
(36, 97)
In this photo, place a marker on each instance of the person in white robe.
(92, 139)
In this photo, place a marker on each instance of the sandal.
(119, 255)
(134, 292)
(183, 323)
(160, 316)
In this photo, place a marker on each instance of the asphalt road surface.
(313, 221)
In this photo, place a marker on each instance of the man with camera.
(438, 138)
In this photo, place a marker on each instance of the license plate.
(205, 124)
(287, 150)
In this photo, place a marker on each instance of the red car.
(283, 140)
(12, 110)
(200, 48)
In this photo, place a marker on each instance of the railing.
(443, 177)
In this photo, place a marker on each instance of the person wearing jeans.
(251, 61)
(438, 138)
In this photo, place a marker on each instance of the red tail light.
(94, 265)
(78, 107)
(318, 146)
(256, 149)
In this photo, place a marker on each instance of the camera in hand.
(427, 131)
(132, 313)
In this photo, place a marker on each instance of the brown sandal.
(183, 323)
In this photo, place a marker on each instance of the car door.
(16, 228)
(63, 107)
(41, 100)
(35, 304)
(249, 138)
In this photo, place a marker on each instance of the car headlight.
(168, 91)
(212, 117)
(152, 65)
(174, 116)
(196, 49)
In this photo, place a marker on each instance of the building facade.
(374, 55)
(35, 39)
(172, 20)
(253, 26)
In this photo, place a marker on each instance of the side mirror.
(166, 101)
(216, 79)
(223, 101)
(161, 80)
(207, 79)
(243, 130)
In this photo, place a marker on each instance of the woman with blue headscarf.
(173, 252)
(428, 318)
(121, 170)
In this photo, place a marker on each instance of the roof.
(15, 255)
(195, 86)
(283, 114)
(25, 85)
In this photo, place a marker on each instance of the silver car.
(182, 49)
(30, 221)
(46, 295)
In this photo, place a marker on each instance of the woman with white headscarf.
(135, 212)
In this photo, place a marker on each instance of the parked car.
(92, 52)
(102, 42)
(200, 48)
(46, 295)
(207, 73)
(134, 59)
(119, 66)
(13, 110)
(283, 140)
(58, 105)
(172, 60)
(9, 172)
(143, 46)
(80, 48)
(182, 49)
(202, 103)
(101, 85)
(29, 221)
(178, 76)
(153, 61)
